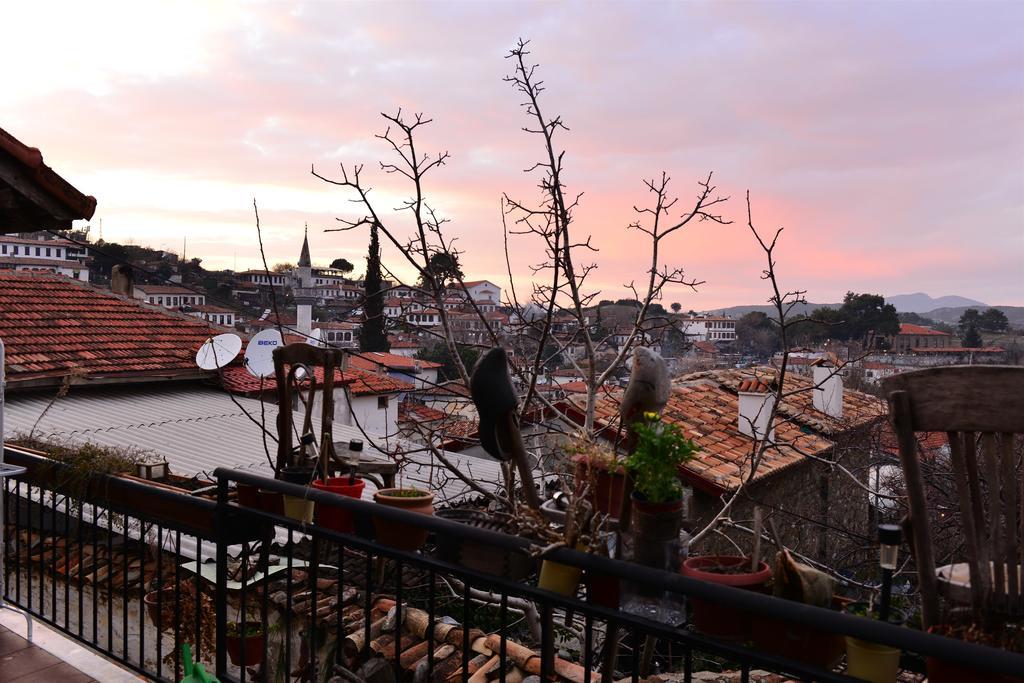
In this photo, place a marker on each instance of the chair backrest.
(287, 360)
(981, 409)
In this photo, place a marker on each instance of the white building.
(168, 296)
(213, 314)
(708, 328)
(50, 256)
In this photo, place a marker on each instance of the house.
(485, 293)
(213, 314)
(168, 296)
(34, 196)
(911, 337)
(56, 330)
(722, 410)
(42, 255)
(420, 373)
(706, 327)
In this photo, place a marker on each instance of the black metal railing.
(134, 572)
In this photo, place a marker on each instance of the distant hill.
(951, 315)
(921, 302)
(799, 309)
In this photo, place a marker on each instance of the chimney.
(304, 317)
(121, 280)
(755, 409)
(828, 388)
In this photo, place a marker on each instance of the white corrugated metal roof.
(198, 428)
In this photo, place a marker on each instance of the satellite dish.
(218, 351)
(259, 354)
(317, 338)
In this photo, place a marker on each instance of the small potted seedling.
(245, 642)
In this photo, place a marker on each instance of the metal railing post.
(221, 592)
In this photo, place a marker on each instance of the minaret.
(304, 281)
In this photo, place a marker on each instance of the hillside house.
(913, 337)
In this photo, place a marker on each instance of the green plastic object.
(194, 671)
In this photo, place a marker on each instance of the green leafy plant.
(253, 628)
(660, 450)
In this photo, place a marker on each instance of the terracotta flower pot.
(251, 645)
(606, 486)
(336, 518)
(396, 534)
(797, 641)
(157, 601)
(946, 671)
(715, 620)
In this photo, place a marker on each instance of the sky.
(887, 138)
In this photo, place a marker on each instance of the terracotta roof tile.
(361, 383)
(54, 326)
(908, 328)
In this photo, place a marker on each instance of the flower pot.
(559, 578)
(946, 671)
(715, 620)
(510, 564)
(655, 531)
(248, 496)
(157, 601)
(271, 501)
(336, 518)
(796, 641)
(396, 534)
(871, 661)
(297, 475)
(251, 645)
(603, 590)
(606, 486)
(299, 509)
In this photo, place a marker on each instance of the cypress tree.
(373, 336)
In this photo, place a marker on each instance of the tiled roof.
(237, 380)
(12, 239)
(908, 328)
(43, 262)
(705, 346)
(211, 309)
(53, 327)
(370, 360)
(30, 162)
(754, 386)
(705, 406)
(166, 289)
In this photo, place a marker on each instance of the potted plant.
(661, 449)
(872, 662)
(1002, 634)
(396, 534)
(598, 471)
(792, 580)
(333, 517)
(295, 507)
(248, 640)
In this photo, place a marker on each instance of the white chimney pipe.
(304, 318)
(828, 390)
(755, 407)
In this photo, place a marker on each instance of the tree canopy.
(373, 335)
(443, 268)
(344, 265)
(438, 352)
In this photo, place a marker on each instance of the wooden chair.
(287, 363)
(974, 405)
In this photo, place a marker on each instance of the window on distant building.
(15, 249)
(3, 248)
(47, 251)
(382, 402)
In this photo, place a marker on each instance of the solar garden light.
(889, 548)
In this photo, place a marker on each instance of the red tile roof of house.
(361, 383)
(35, 242)
(41, 263)
(167, 289)
(705, 346)
(76, 205)
(908, 328)
(206, 308)
(705, 406)
(370, 360)
(54, 326)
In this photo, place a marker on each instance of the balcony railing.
(134, 572)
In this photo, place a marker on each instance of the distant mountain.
(951, 315)
(922, 303)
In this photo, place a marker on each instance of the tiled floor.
(20, 660)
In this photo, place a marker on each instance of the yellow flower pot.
(871, 661)
(559, 578)
(299, 509)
